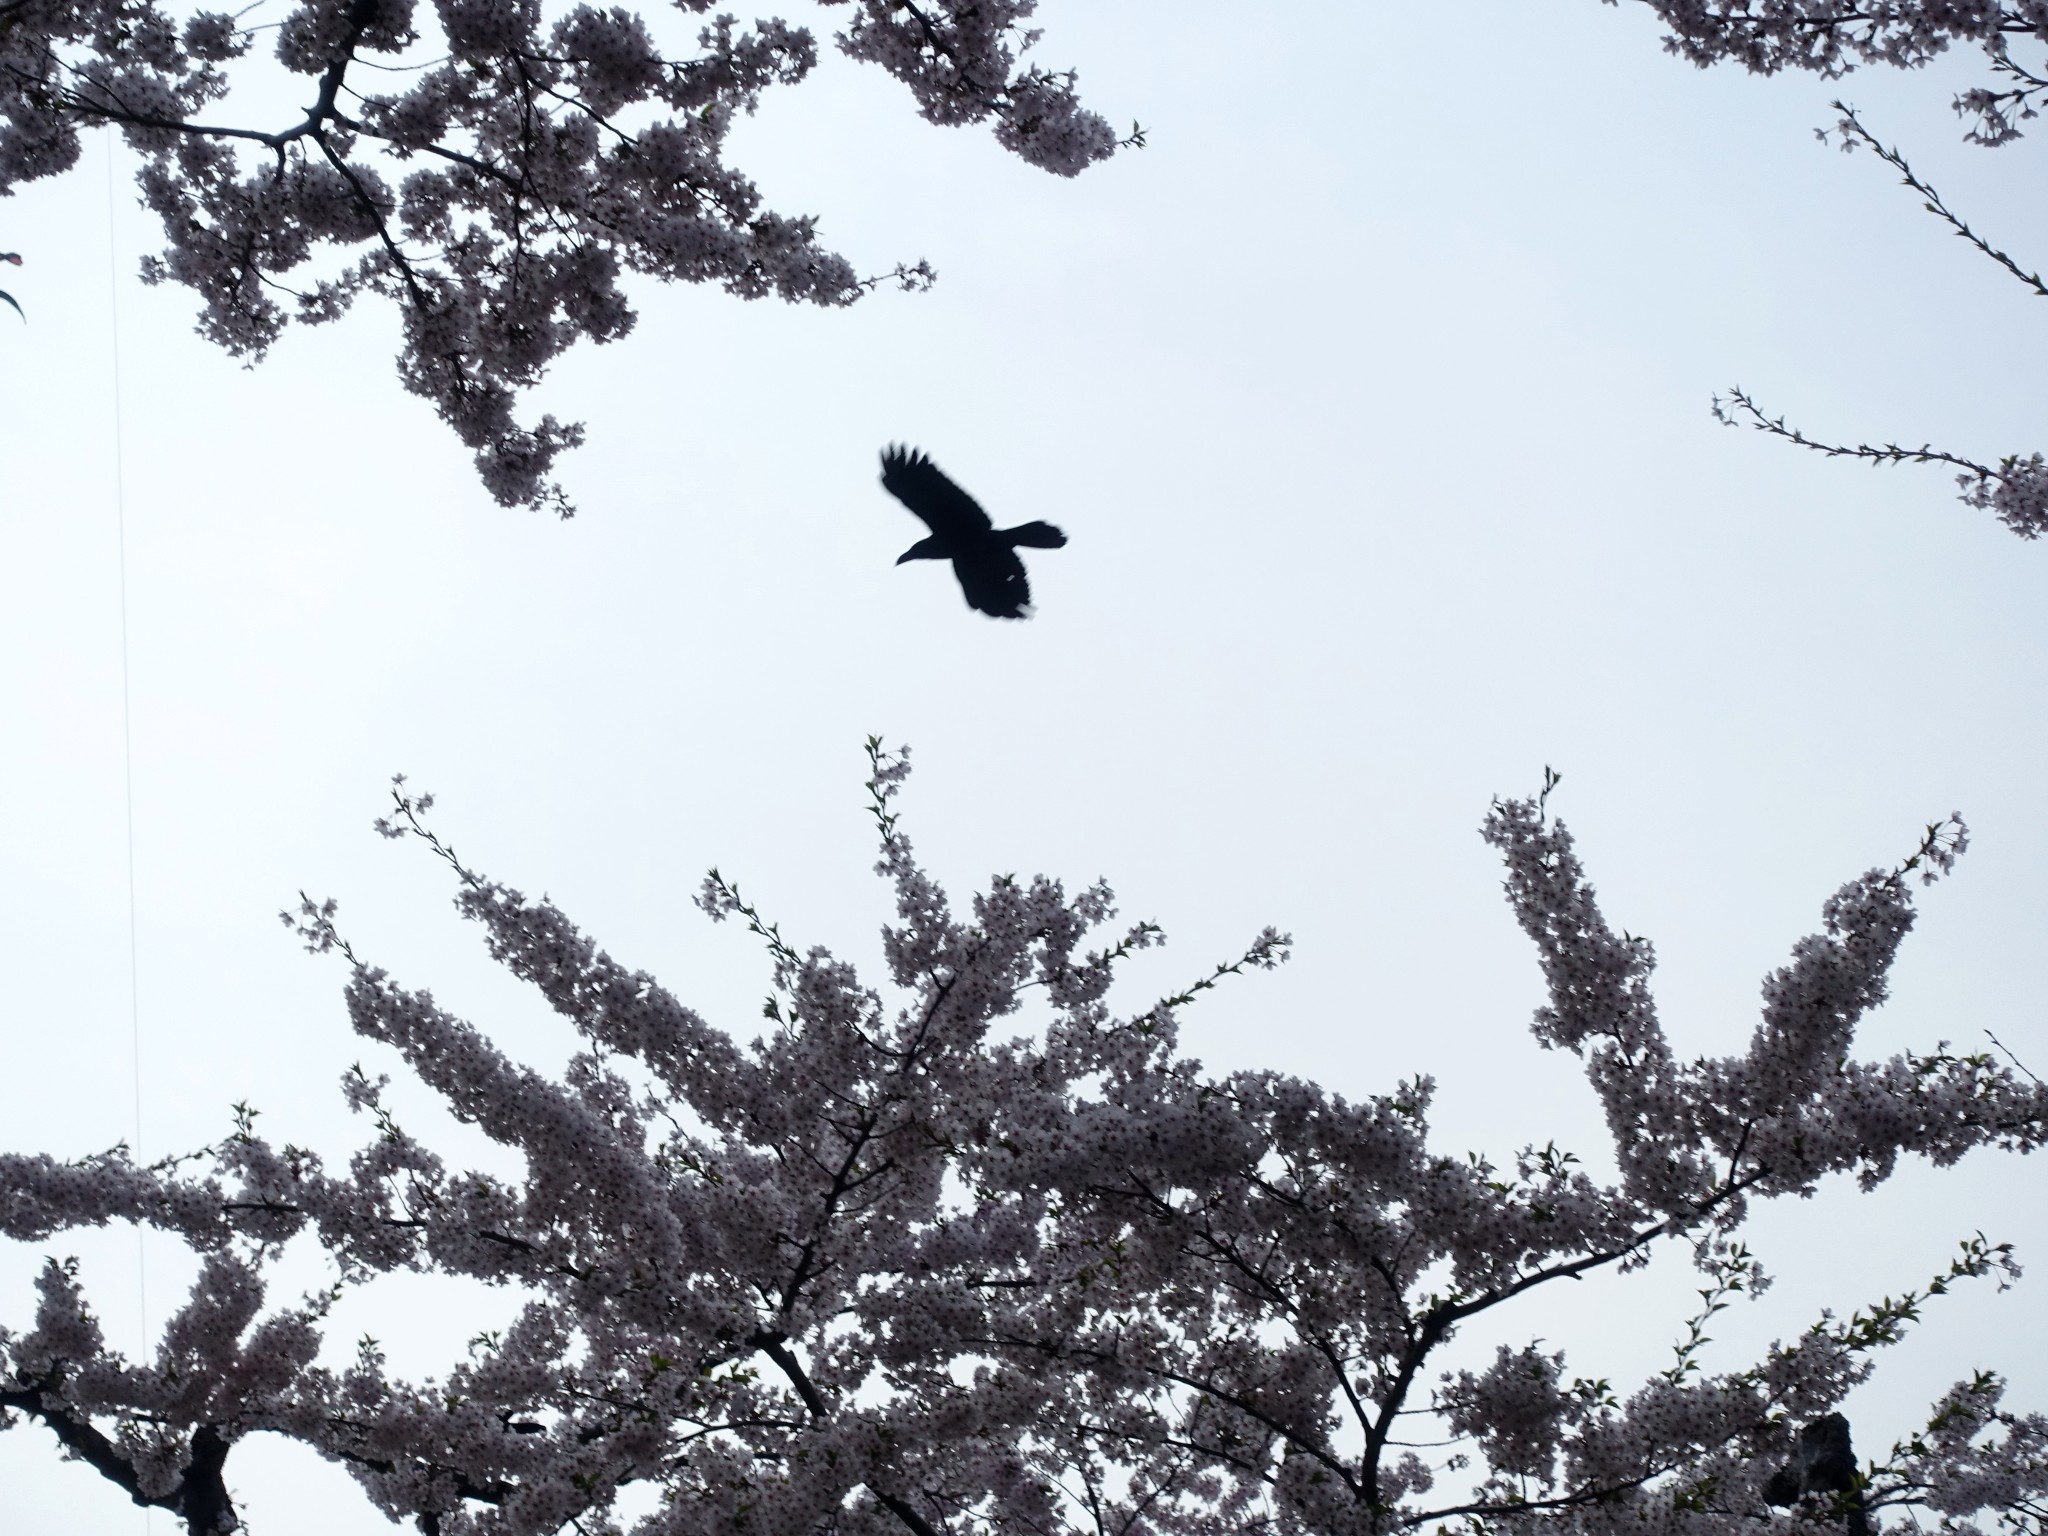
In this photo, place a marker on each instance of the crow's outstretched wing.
(917, 482)
(10, 299)
(992, 579)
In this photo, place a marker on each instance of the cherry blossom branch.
(1581, 1498)
(1831, 39)
(2016, 489)
(776, 1348)
(1853, 133)
(526, 222)
(1739, 409)
(1270, 950)
(2009, 1056)
(82, 1440)
(1997, 111)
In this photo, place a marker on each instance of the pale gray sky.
(1373, 397)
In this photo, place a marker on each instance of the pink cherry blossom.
(493, 167)
(977, 1251)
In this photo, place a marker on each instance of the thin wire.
(127, 739)
(127, 733)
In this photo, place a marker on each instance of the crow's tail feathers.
(1033, 536)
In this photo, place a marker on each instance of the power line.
(127, 737)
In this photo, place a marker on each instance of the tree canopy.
(979, 1253)
(496, 168)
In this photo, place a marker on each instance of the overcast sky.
(1373, 398)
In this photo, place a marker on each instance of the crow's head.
(925, 549)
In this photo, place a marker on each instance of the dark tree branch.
(201, 1496)
(1853, 132)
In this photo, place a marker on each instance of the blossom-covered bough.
(1830, 39)
(494, 167)
(992, 1259)
(2015, 489)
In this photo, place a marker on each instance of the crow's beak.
(905, 556)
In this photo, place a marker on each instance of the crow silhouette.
(1823, 1470)
(984, 556)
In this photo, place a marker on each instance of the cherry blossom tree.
(1767, 36)
(495, 171)
(982, 1255)
(1831, 39)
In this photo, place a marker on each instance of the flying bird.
(12, 259)
(984, 556)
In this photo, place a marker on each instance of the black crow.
(984, 557)
(1824, 1465)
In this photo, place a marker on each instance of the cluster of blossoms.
(886, 1272)
(1766, 36)
(495, 176)
(2017, 491)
